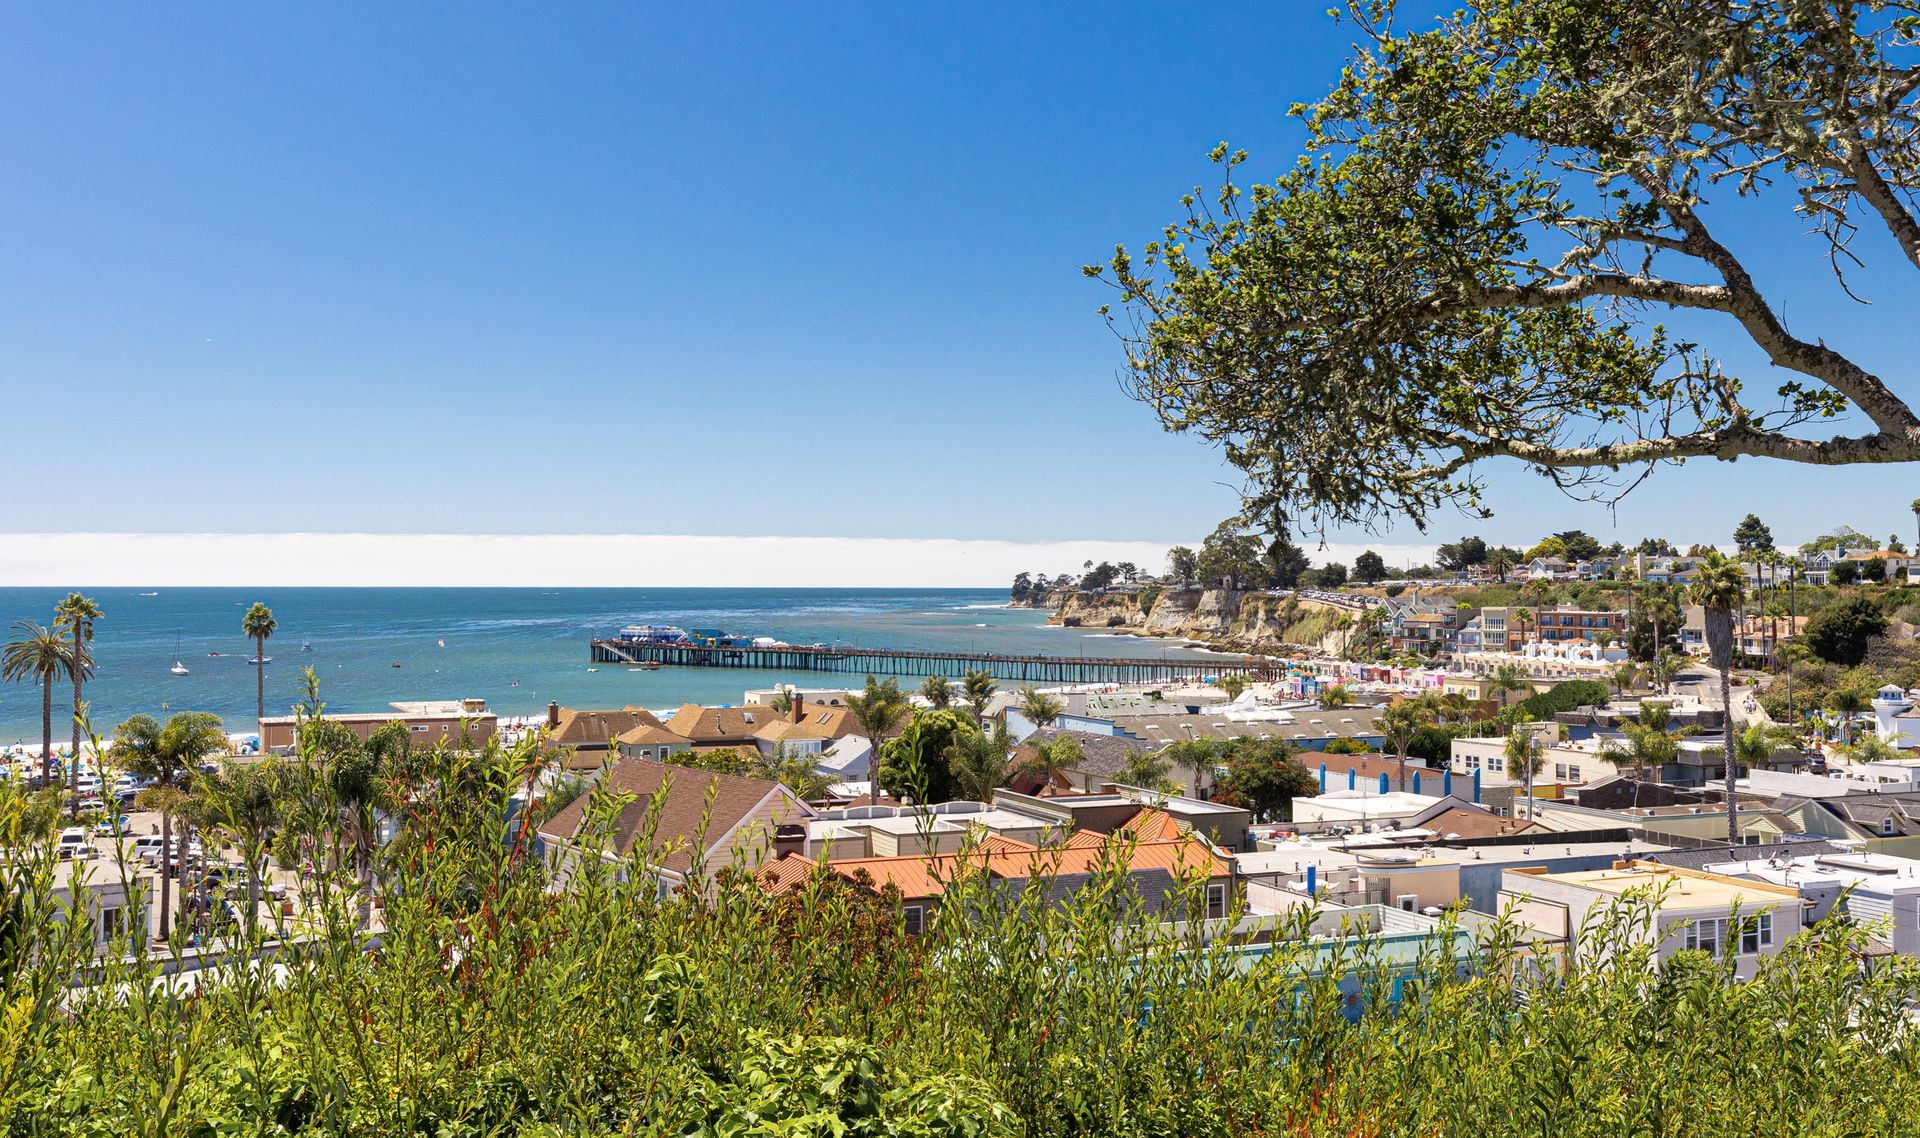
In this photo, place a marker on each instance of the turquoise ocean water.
(515, 648)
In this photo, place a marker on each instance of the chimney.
(553, 713)
(798, 710)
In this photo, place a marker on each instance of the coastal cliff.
(1219, 618)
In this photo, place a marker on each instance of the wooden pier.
(890, 662)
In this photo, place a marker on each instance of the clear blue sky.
(459, 267)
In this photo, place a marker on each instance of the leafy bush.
(1564, 696)
(1839, 633)
(493, 1005)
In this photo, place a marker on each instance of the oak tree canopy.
(1494, 213)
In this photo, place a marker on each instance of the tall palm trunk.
(1719, 630)
(166, 872)
(73, 764)
(260, 683)
(46, 730)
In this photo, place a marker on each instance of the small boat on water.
(306, 646)
(178, 668)
(258, 660)
(593, 669)
(396, 663)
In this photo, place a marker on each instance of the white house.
(1724, 917)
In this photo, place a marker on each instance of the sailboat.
(178, 668)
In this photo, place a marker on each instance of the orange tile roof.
(1152, 826)
(920, 875)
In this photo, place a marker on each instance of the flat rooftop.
(1682, 888)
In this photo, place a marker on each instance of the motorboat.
(258, 660)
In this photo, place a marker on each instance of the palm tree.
(1717, 588)
(1915, 506)
(1523, 616)
(1232, 683)
(781, 703)
(362, 778)
(1146, 771)
(164, 754)
(1624, 677)
(938, 692)
(1499, 561)
(259, 624)
(243, 805)
(977, 688)
(1401, 724)
(1053, 758)
(981, 761)
(1847, 703)
(38, 654)
(1453, 706)
(878, 710)
(77, 615)
(1523, 751)
(1041, 709)
(1511, 678)
(1652, 741)
(1198, 757)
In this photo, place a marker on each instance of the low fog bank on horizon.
(290, 560)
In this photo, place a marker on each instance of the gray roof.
(1720, 855)
(1106, 754)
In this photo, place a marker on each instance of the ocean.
(515, 648)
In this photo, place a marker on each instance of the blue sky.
(767, 270)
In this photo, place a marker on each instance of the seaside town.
(1508, 731)
(453, 686)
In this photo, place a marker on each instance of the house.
(1666, 570)
(1864, 887)
(1756, 638)
(1694, 911)
(428, 722)
(650, 741)
(681, 826)
(1158, 870)
(1895, 567)
(1573, 623)
(1548, 569)
(589, 738)
(95, 894)
(1401, 946)
(1425, 631)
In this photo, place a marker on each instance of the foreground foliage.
(481, 1003)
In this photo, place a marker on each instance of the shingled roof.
(679, 820)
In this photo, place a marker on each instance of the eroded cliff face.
(1245, 622)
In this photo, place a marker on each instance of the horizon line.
(308, 559)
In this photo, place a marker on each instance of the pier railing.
(900, 662)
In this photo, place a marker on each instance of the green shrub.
(1564, 696)
(494, 1004)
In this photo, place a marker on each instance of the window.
(420, 727)
(112, 921)
(914, 919)
(1216, 902)
(1706, 934)
(1757, 934)
(1496, 765)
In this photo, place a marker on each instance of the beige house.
(700, 824)
(1724, 917)
(463, 721)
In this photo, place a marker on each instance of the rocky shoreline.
(1221, 619)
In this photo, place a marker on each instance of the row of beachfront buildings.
(1439, 626)
(1404, 854)
(1815, 568)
